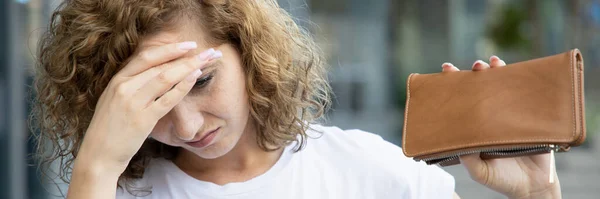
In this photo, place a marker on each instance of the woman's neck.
(244, 162)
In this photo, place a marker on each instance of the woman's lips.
(205, 141)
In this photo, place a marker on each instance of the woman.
(219, 99)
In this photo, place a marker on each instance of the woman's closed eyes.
(203, 81)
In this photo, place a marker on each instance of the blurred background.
(372, 47)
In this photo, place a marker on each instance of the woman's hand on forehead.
(147, 88)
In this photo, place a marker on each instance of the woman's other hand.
(519, 177)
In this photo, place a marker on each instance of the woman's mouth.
(205, 140)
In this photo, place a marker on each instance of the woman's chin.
(213, 151)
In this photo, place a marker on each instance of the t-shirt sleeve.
(430, 181)
(416, 179)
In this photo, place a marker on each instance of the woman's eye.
(202, 82)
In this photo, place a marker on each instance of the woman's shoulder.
(353, 141)
(367, 152)
(352, 147)
(356, 148)
(322, 134)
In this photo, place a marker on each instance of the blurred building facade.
(371, 46)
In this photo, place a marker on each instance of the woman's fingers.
(495, 61)
(448, 67)
(140, 80)
(480, 65)
(173, 73)
(155, 56)
(477, 168)
(166, 102)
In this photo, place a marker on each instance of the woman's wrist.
(94, 169)
(91, 165)
(92, 179)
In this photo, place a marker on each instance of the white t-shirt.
(343, 164)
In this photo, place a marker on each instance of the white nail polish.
(217, 54)
(197, 73)
(194, 75)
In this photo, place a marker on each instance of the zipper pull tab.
(551, 176)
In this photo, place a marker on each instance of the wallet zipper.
(507, 151)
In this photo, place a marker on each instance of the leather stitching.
(406, 111)
(581, 96)
(573, 87)
(555, 139)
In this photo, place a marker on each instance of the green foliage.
(507, 31)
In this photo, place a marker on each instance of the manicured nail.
(206, 54)
(477, 63)
(194, 75)
(218, 54)
(494, 57)
(188, 45)
(446, 64)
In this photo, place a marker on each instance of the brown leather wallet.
(525, 108)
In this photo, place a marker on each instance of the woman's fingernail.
(477, 63)
(502, 63)
(188, 45)
(218, 54)
(494, 57)
(206, 54)
(194, 75)
(445, 64)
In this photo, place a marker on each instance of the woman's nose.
(186, 121)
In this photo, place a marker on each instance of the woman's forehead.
(169, 39)
(184, 31)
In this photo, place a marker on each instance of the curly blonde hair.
(88, 41)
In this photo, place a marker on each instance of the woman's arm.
(92, 180)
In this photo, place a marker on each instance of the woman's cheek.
(161, 134)
(160, 137)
